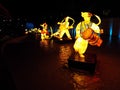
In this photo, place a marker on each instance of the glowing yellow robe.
(81, 44)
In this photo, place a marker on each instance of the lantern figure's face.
(86, 16)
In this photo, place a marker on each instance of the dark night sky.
(39, 7)
(56, 7)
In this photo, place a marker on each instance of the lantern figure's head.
(86, 14)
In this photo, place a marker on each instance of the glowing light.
(29, 25)
(111, 28)
(110, 31)
(119, 35)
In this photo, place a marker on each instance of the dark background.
(58, 7)
(15, 62)
(52, 11)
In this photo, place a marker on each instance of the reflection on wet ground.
(80, 80)
(43, 65)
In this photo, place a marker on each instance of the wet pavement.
(29, 64)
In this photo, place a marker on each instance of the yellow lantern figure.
(64, 27)
(44, 31)
(87, 33)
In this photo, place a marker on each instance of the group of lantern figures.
(87, 32)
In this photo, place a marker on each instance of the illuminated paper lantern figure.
(87, 32)
(44, 32)
(64, 27)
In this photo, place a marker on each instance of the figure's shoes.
(70, 38)
(82, 56)
(61, 39)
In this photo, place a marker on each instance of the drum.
(92, 37)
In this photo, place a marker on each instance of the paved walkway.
(42, 65)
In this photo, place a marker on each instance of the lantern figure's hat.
(86, 14)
